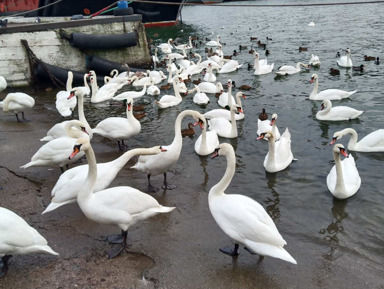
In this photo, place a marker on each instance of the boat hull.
(153, 14)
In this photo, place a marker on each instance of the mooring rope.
(34, 60)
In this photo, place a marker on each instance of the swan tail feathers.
(53, 206)
(164, 209)
(27, 165)
(352, 92)
(47, 249)
(274, 251)
(47, 138)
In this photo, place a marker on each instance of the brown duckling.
(263, 115)
(251, 51)
(244, 87)
(138, 107)
(188, 79)
(253, 38)
(334, 71)
(303, 49)
(197, 81)
(188, 131)
(139, 115)
(250, 66)
(225, 85)
(166, 86)
(369, 58)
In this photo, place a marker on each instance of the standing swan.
(242, 218)
(18, 238)
(70, 182)
(373, 142)
(55, 152)
(337, 113)
(17, 102)
(279, 156)
(331, 94)
(119, 128)
(343, 181)
(120, 206)
(159, 164)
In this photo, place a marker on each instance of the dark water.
(330, 239)
(297, 198)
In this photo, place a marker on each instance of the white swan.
(209, 76)
(337, 113)
(86, 89)
(224, 98)
(18, 238)
(314, 61)
(3, 83)
(120, 206)
(131, 93)
(224, 127)
(230, 66)
(195, 68)
(287, 69)
(119, 128)
(155, 59)
(279, 156)
(373, 142)
(331, 94)
(170, 100)
(159, 164)
(17, 102)
(70, 182)
(261, 67)
(55, 153)
(200, 98)
(213, 42)
(345, 61)
(224, 113)
(343, 181)
(209, 87)
(208, 141)
(153, 89)
(268, 125)
(107, 91)
(58, 130)
(243, 219)
(166, 47)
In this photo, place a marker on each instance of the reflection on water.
(331, 233)
(203, 164)
(272, 202)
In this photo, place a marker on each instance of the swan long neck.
(238, 100)
(353, 140)
(271, 146)
(199, 56)
(176, 89)
(86, 190)
(5, 104)
(95, 88)
(256, 64)
(340, 187)
(80, 110)
(69, 81)
(230, 96)
(178, 137)
(233, 122)
(220, 187)
(120, 162)
(85, 80)
(315, 87)
(327, 109)
(204, 137)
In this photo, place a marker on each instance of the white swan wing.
(351, 175)
(374, 140)
(243, 218)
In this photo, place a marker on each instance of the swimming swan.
(343, 181)
(373, 142)
(337, 113)
(331, 94)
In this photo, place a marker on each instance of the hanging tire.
(123, 11)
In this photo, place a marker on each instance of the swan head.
(313, 78)
(241, 94)
(256, 55)
(274, 117)
(336, 136)
(128, 103)
(339, 149)
(325, 104)
(201, 121)
(75, 92)
(222, 149)
(74, 126)
(269, 135)
(348, 51)
(235, 108)
(81, 144)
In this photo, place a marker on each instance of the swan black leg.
(114, 253)
(166, 185)
(4, 269)
(116, 238)
(18, 120)
(26, 120)
(150, 188)
(227, 250)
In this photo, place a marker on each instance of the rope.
(262, 5)
(37, 9)
(33, 60)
